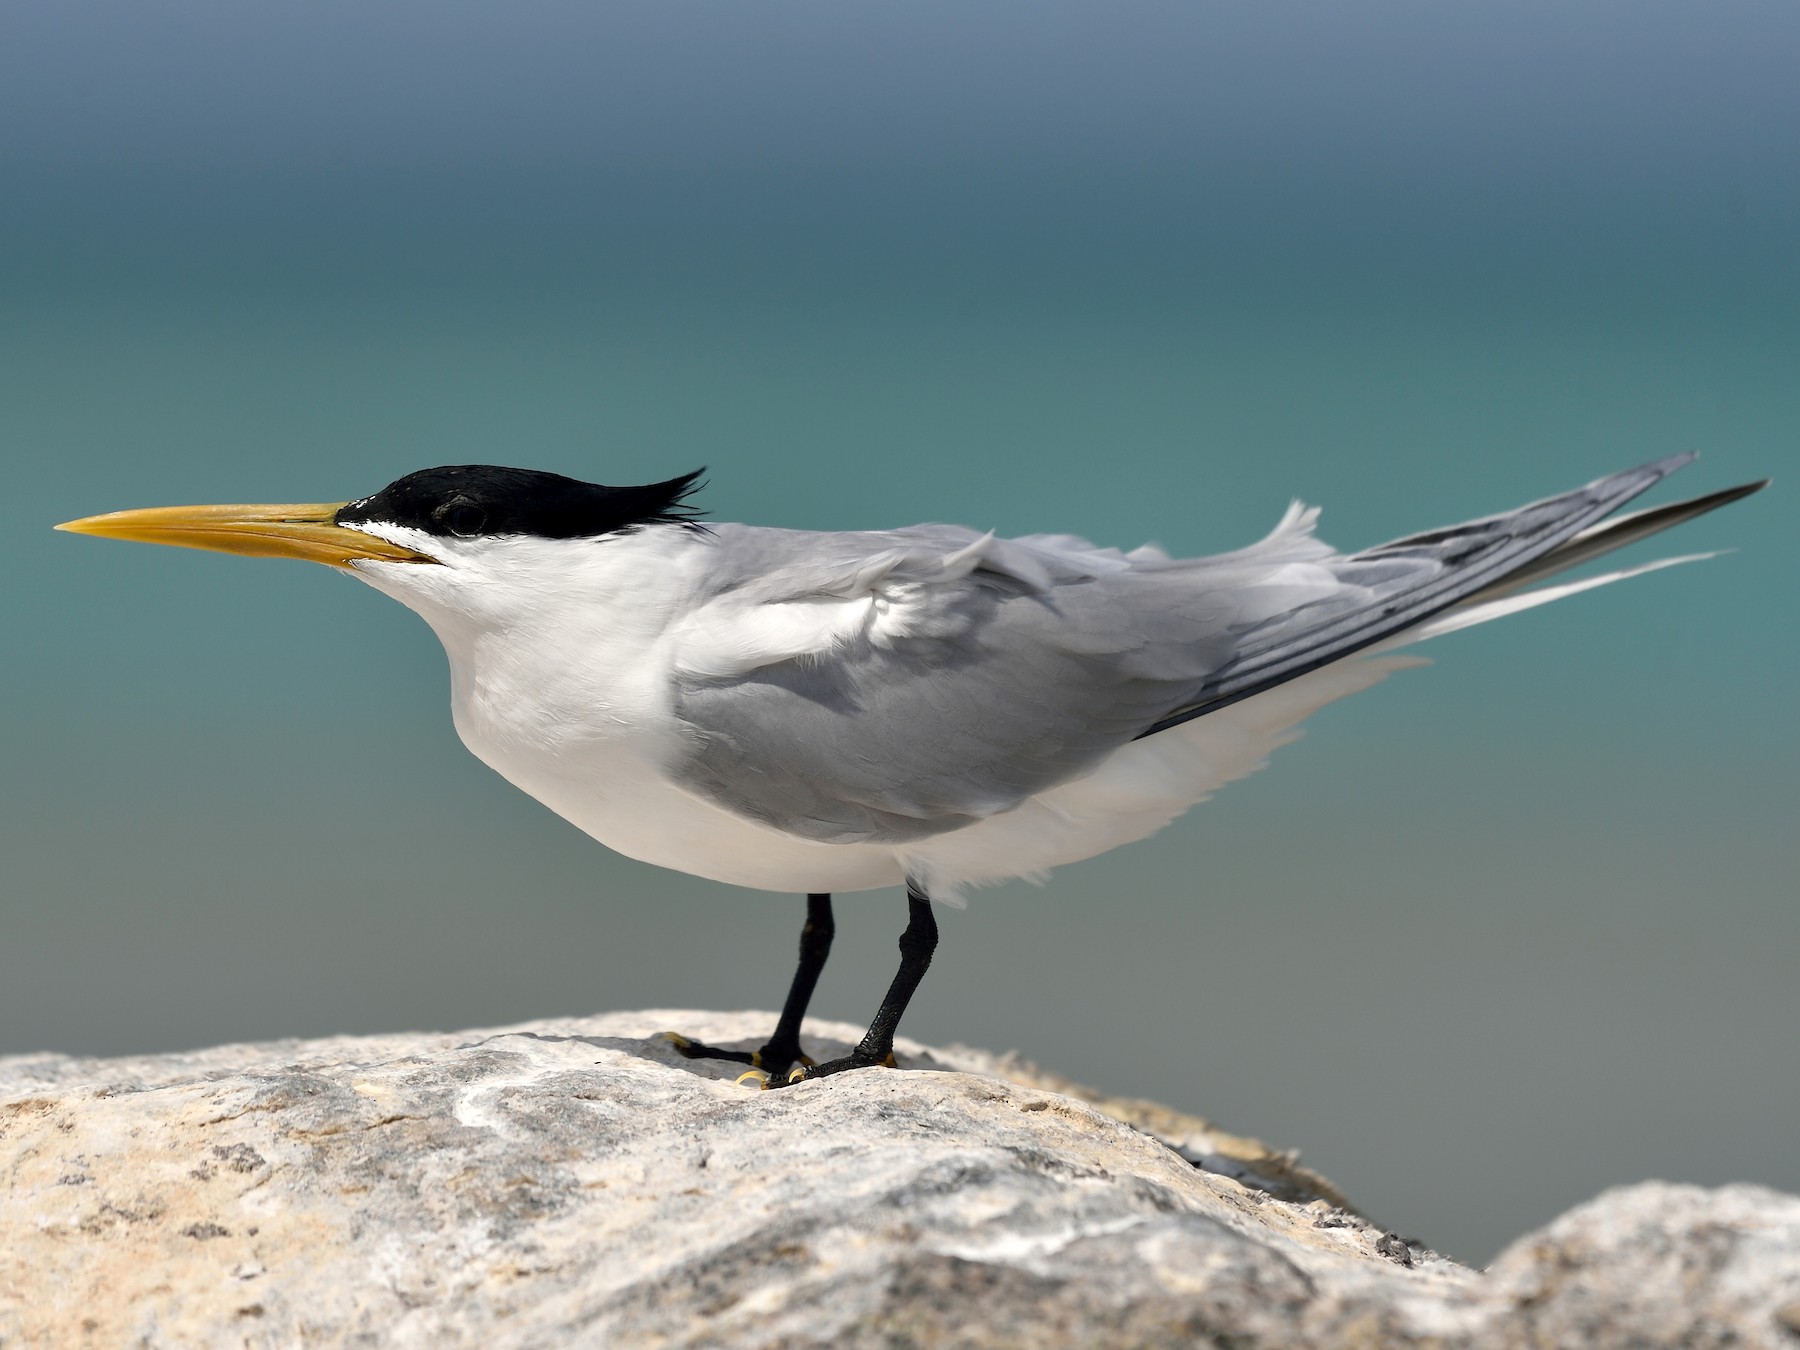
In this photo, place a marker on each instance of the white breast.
(560, 657)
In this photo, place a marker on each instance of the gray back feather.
(987, 670)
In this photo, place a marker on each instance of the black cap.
(467, 500)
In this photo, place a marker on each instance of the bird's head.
(444, 536)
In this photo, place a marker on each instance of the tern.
(931, 707)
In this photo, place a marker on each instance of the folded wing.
(886, 687)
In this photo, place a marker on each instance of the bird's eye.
(465, 521)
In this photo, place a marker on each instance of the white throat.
(558, 647)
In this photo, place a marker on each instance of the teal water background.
(1495, 935)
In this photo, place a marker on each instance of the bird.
(930, 707)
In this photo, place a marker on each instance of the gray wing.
(1006, 667)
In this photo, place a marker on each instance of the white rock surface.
(576, 1183)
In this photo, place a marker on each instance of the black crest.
(469, 500)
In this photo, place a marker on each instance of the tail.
(1433, 583)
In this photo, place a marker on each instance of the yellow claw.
(676, 1039)
(798, 1075)
(757, 1076)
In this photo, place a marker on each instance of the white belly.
(635, 810)
(616, 795)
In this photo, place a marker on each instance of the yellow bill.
(307, 531)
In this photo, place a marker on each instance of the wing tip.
(1659, 469)
(1743, 490)
(1712, 501)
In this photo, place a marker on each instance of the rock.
(576, 1183)
(1658, 1265)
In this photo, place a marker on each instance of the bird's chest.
(568, 711)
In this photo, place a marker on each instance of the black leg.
(783, 1048)
(917, 944)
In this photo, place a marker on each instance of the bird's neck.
(574, 670)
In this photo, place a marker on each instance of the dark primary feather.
(1435, 571)
(1598, 540)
